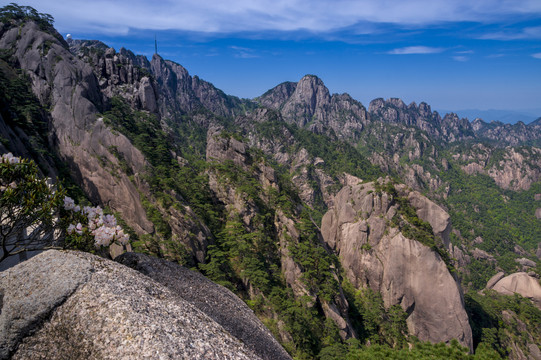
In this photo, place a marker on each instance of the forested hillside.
(350, 232)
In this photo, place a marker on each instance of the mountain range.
(347, 230)
(503, 116)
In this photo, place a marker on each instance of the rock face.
(451, 128)
(61, 305)
(217, 302)
(70, 88)
(431, 213)
(520, 283)
(511, 168)
(404, 271)
(509, 134)
(309, 104)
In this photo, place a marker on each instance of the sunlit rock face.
(404, 271)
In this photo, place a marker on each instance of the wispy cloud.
(415, 50)
(461, 58)
(537, 55)
(319, 16)
(244, 53)
(519, 34)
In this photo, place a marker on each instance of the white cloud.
(116, 16)
(244, 53)
(519, 34)
(461, 58)
(537, 55)
(415, 50)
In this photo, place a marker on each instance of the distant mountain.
(504, 116)
(265, 196)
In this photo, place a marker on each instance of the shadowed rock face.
(217, 302)
(71, 305)
(404, 271)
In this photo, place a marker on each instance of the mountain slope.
(238, 188)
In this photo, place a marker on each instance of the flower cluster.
(69, 204)
(10, 159)
(102, 227)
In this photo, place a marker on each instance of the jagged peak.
(311, 77)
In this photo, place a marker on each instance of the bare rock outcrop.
(70, 88)
(309, 104)
(61, 305)
(216, 301)
(493, 280)
(403, 270)
(520, 283)
(430, 212)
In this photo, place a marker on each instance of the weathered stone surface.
(432, 213)
(217, 302)
(30, 292)
(404, 271)
(80, 306)
(482, 255)
(493, 280)
(522, 284)
(526, 262)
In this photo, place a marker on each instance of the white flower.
(69, 203)
(9, 158)
(79, 229)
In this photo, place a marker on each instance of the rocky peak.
(424, 109)
(376, 104)
(309, 104)
(310, 96)
(119, 73)
(182, 93)
(398, 103)
(277, 96)
(508, 134)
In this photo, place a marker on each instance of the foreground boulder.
(216, 301)
(72, 305)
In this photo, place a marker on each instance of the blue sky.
(463, 54)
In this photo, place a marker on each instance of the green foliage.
(28, 208)
(20, 109)
(14, 12)
(491, 330)
(502, 218)
(373, 322)
(316, 263)
(353, 350)
(241, 256)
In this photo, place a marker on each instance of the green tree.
(28, 208)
